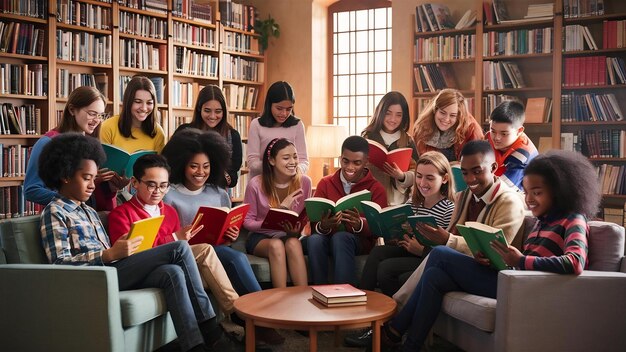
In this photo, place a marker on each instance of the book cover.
(148, 228)
(378, 155)
(457, 176)
(423, 219)
(338, 293)
(387, 222)
(216, 221)
(121, 161)
(536, 109)
(276, 217)
(442, 16)
(478, 236)
(316, 207)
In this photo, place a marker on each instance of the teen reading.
(216, 221)
(378, 155)
(478, 236)
(148, 228)
(316, 207)
(387, 222)
(120, 161)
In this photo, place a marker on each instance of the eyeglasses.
(152, 186)
(97, 116)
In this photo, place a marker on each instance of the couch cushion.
(477, 311)
(140, 306)
(606, 246)
(21, 240)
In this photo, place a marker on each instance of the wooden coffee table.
(294, 308)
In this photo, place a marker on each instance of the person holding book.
(513, 149)
(389, 127)
(210, 114)
(198, 161)
(562, 192)
(345, 234)
(276, 121)
(281, 185)
(135, 128)
(446, 125)
(84, 111)
(73, 234)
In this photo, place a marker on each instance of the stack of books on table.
(339, 295)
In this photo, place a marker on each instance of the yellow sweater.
(110, 134)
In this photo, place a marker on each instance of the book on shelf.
(575, 8)
(538, 110)
(614, 215)
(467, 20)
(590, 107)
(338, 295)
(378, 155)
(121, 161)
(216, 221)
(317, 207)
(478, 238)
(276, 218)
(545, 144)
(13, 203)
(422, 219)
(387, 222)
(148, 228)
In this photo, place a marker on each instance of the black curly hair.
(62, 156)
(572, 180)
(191, 141)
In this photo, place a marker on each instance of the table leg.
(376, 336)
(250, 343)
(312, 340)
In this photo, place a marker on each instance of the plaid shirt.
(72, 233)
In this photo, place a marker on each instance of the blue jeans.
(238, 269)
(172, 268)
(446, 270)
(342, 247)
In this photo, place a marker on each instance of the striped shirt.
(557, 245)
(72, 233)
(442, 211)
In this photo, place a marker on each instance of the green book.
(425, 219)
(386, 222)
(316, 207)
(478, 236)
(459, 181)
(121, 161)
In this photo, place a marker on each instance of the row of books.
(590, 107)
(23, 119)
(189, 34)
(589, 71)
(239, 190)
(537, 109)
(576, 36)
(13, 203)
(433, 77)
(137, 54)
(433, 17)
(83, 14)
(234, 67)
(461, 46)
(67, 82)
(192, 10)
(596, 144)
(159, 85)
(84, 47)
(26, 79)
(240, 42)
(184, 93)
(240, 97)
(582, 8)
(13, 160)
(612, 179)
(497, 12)
(502, 75)
(614, 34)
(21, 38)
(423, 102)
(615, 215)
(238, 16)
(159, 6)
(141, 25)
(517, 42)
(191, 62)
(241, 123)
(37, 9)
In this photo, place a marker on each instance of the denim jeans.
(172, 268)
(238, 269)
(342, 246)
(446, 270)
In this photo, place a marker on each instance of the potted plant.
(266, 29)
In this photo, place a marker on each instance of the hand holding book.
(351, 218)
(436, 235)
(509, 254)
(411, 245)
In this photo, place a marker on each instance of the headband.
(270, 146)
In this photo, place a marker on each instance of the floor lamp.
(324, 141)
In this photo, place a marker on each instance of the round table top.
(296, 305)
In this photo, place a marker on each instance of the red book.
(216, 221)
(276, 217)
(338, 294)
(163, 57)
(605, 34)
(378, 155)
(588, 70)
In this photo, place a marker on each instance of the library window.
(360, 61)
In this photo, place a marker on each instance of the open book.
(276, 217)
(148, 228)
(121, 161)
(378, 155)
(478, 236)
(216, 221)
(316, 207)
(386, 222)
(424, 219)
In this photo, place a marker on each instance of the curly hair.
(62, 156)
(425, 125)
(267, 181)
(184, 145)
(572, 180)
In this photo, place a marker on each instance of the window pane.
(343, 43)
(381, 18)
(342, 22)
(380, 83)
(362, 106)
(361, 20)
(361, 63)
(380, 39)
(361, 84)
(361, 123)
(353, 86)
(343, 65)
(343, 110)
(343, 87)
(352, 20)
(380, 61)
(361, 41)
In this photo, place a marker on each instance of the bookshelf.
(181, 46)
(573, 57)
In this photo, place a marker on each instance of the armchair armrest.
(48, 307)
(552, 312)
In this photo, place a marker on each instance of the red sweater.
(124, 215)
(330, 187)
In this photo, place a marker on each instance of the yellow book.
(148, 228)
